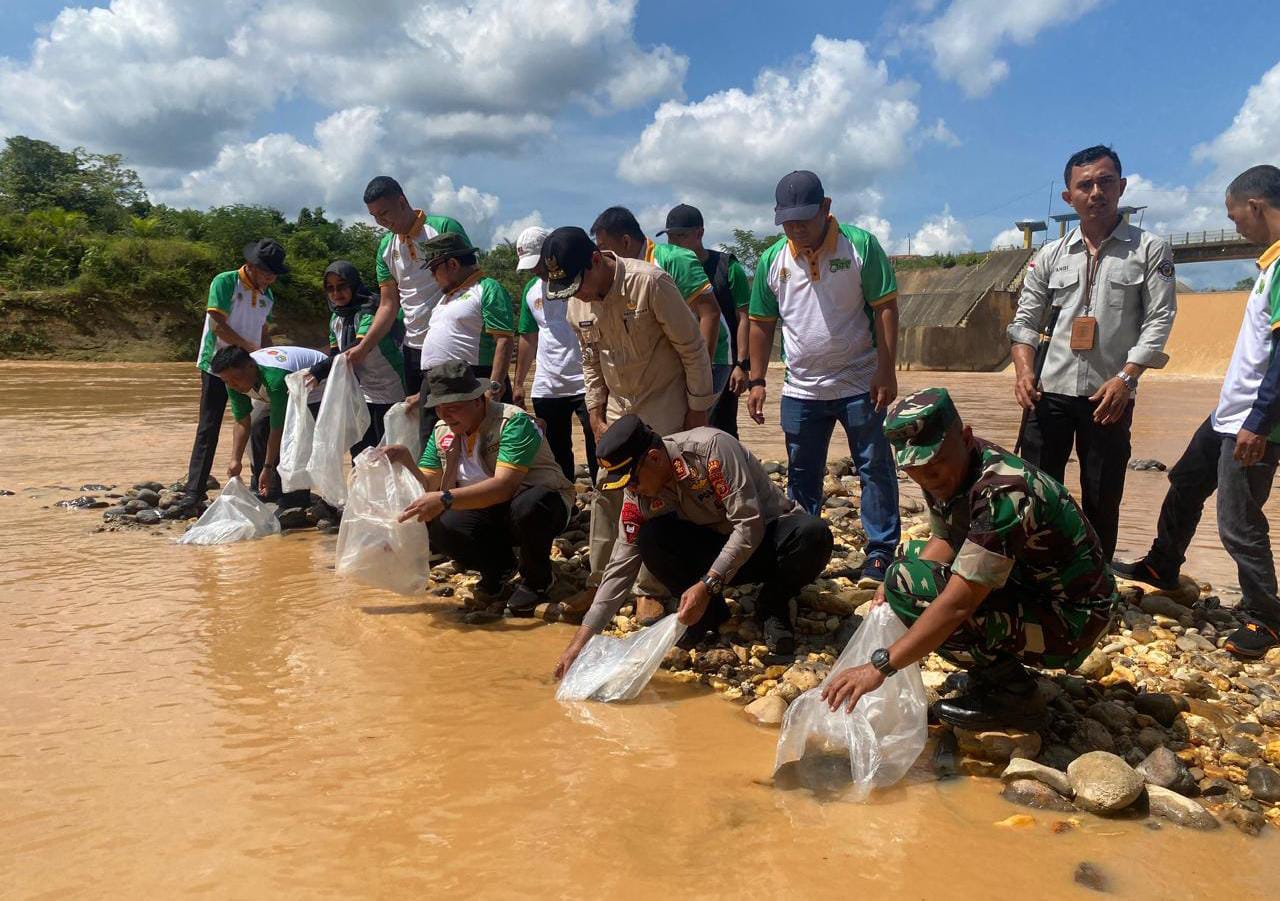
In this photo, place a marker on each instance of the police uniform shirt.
(718, 484)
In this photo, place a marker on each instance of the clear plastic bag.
(399, 427)
(343, 419)
(373, 548)
(872, 747)
(299, 430)
(618, 669)
(235, 515)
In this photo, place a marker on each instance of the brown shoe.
(579, 602)
(649, 610)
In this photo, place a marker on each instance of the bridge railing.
(1218, 236)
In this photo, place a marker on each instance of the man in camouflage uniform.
(1013, 574)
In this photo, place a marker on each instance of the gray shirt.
(718, 484)
(1131, 294)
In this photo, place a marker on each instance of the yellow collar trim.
(1270, 256)
(248, 283)
(419, 219)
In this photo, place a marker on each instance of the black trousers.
(372, 435)
(1060, 422)
(481, 540)
(412, 370)
(1208, 465)
(213, 404)
(259, 434)
(558, 414)
(795, 550)
(724, 415)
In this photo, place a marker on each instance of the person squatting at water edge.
(491, 483)
(1013, 574)
(699, 510)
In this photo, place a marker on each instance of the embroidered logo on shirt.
(1166, 270)
(447, 441)
(632, 519)
(839, 264)
(681, 469)
(784, 274)
(657, 504)
(716, 474)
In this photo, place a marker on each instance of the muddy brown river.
(234, 722)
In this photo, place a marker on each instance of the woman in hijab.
(381, 374)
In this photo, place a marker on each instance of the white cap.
(529, 246)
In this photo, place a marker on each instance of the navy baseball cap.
(799, 196)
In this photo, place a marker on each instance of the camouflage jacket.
(1012, 524)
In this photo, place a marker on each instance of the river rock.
(1111, 715)
(115, 513)
(766, 711)
(1201, 731)
(999, 745)
(147, 517)
(148, 496)
(1172, 806)
(1264, 782)
(1163, 768)
(1194, 643)
(149, 486)
(1163, 605)
(1091, 735)
(1163, 708)
(1250, 822)
(5, 492)
(714, 659)
(1033, 793)
(1021, 768)
(1091, 877)
(1144, 464)
(802, 678)
(293, 518)
(1268, 714)
(1104, 783)
(133, 505)
(1095, 666)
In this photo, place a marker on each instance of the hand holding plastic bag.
(872, 747)
(618, 669)
(235, 515)
(299, 430)
(401, 427)
(373, 547)
(343, 419)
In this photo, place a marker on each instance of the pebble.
(1033, 793)
(1163, 708)
(999, 746)
(147, 517)
(1103, 782)
(1264, 782)
(1170, 805)
(1163, 605)
(148, 496)
(1091, 877)
(766, 711)
(1095, 666)
(1020, 768)
(1162, 768)
(1250, 822)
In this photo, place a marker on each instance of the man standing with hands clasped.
(1108, 287)
(833, 291)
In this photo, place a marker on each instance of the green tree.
(500, 264)
(748, 248)
(1246, 283)
(36, 175)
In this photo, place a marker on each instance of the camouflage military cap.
(918, 424)
(445, 246)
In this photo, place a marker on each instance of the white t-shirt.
(559, 361)
(824, 303)
(403, 262)
(465, 321)
(1252, 356)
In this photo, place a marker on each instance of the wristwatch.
(755, 383)
(446, 498)
(745, 365)
(713, 582)
(880, 660)
(1130, 382)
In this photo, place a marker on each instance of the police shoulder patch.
(680, 468)
(718, 481)
(632, 519)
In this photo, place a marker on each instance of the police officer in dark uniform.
(699, 511)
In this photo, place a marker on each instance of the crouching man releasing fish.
(1013, 574)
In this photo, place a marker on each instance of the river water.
(236, 722)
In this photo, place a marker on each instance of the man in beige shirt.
(642, 353)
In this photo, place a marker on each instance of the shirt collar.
(827, 247)
(419, 219)
(617, 274)
(1122, 232)
(468, 282)
(1271, 254)
(249, 285)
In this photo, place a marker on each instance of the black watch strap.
(755, 383)
(880, 660)
(446, 498)
(745, 365)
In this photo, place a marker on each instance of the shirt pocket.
(1124, 289)
(1064, 287)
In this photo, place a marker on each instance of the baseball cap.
(798, 197)
(565, 255)
(682, 218)
(918, 425)
(621, 448)
(529, 247)
(266, 254)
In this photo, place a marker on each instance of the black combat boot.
(1000, 696)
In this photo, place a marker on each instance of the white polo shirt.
(1252, 356)
(401, 261)
(465, 322)
(246, 310)
(559, 370)
(825, 302)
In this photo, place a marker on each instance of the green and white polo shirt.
(1255, 350)
(245, 308)
(518, 445)
(825, 302)
(559, 369)
(686, 271)
(381, 375)
(274, 363)
(401, 261)
(465, 322)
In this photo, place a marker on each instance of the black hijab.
(362, 301)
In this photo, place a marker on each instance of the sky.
(934, 123)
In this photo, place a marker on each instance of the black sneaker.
(707, 627)
(524, 600)
(873, 572)
(491, 589)
(1142, 571)
(1252, 640)
(1001, 696)
(779, 636)
(185, 507)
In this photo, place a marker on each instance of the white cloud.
(1175, 208)
(1253, 136)
(838, 113)
(966, 39)
(940, 234)
(1010, 237)
(939, 133)
(509, 231)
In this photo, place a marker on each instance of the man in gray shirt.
(1108, 287)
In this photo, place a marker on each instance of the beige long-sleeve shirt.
(642, 352)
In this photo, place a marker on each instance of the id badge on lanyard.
(1084, 329)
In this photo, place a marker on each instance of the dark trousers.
(372, 435)
(558, 413)
(794, 551)
(724, 415)
(1208, 465)
(1056, 424)
(412, 370)
(259, 434)
(427, 420)
(213, 404)
(481, 540)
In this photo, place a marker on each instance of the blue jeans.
(808, 425)
(720, 373)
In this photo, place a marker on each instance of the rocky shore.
(1159, 722)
